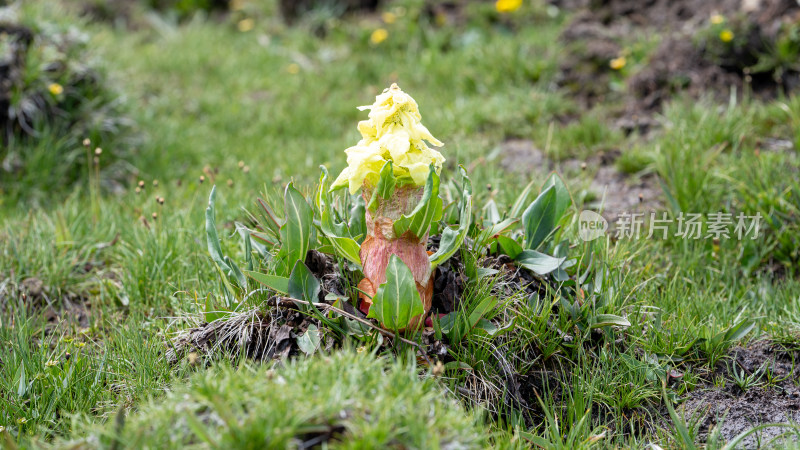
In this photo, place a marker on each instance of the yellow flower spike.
(378, 36)
(618, 63)
(55, 88)
(507, 6)
(717, 19)
(293, 69)
(394, 132)
(726, 35)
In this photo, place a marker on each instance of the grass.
(205, 97)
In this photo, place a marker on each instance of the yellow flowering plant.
(379, 226)
(398, 177)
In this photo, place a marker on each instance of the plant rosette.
(398, 176)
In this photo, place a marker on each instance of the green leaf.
(604, 320)
(337, 233)
(522, 200)
(212, 239)
(274, 282)
(486, 235)
(563, 197)
(452, 239)
(358, 221)
(510, 246)
(740, 330)
(539, 220)
(22, 381)
(296, 230)
(429, 209)
(458, 324)
(538, 262)
(309, 341)
(385, 187)
(303, 285)
(397, 301)
(347, 248)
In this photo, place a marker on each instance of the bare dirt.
(732, 410)
(689, 59)
(616, 192)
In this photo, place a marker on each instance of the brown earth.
(688, 59)
(732, 411)
(616, 192)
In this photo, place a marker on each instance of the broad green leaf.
(303, 285)
(452, 239)
(309, 341)
(740, 330)
(429, 209)
(397, 301)
(538, 262)
(274, 282)
(497, 229)
(358, 221)
(337, 233)
(604, 320)
(296, 231)
(510, 246)
(385, 187)
(563, 197)
(213, 243)
(346, 248)
(539, 220)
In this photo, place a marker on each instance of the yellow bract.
(394, 132)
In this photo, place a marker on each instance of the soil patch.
(732, 411)
(691, 58)
(616, 192)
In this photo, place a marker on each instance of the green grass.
(205, 96)
(346, 399)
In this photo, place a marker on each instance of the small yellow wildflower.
(507, 6)
(51, 363)
(618, 63)
(293, 69)
(388, 17)
(55, 88)
(726, 35)
(22, 420)
(717, 19)
(237, 5)
(245, 25)
(80, 344)
(378, 36)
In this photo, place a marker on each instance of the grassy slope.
(207, 96)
